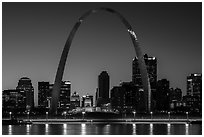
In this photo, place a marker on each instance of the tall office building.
(151, 64)
(193, 98)
(43, 94)
(64, 97)
(194, 85)
(27, 91)
(103, 88)
(162, 95)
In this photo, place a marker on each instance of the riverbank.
(139, 121)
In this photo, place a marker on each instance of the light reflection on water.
(103, 129)
(10, 130)
(107, 129)
(83, 129)
(46, 129)
(187, 129)
(134, 129)
(151, 129)
(28, 129)
(168, 129)
(64, 129)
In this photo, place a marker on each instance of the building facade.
(151, 65)
(194, 92)
(127, 98)
(162, 95)
(11, 99)
(194, 85)
(74, 100)
(43, 94)
(27, 91)
(64, 97)
(175, 94)
(87, 101)
(103, 88)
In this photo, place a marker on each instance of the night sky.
(34, 35)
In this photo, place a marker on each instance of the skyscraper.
(27, 91)
(194, 85)
(43, 94)
(194, 92)
(151, 65)
(64, 100)
(64, 97)
(103, 88)
(162, 95)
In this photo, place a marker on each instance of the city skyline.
(92, 50)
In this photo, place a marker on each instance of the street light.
(83, 113)
(46, 116)
(151, 115)
(187, 116)
(10, 114)
(28, 115)
(134, 114)
(169, 115)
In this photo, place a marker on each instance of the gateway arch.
(139, 55)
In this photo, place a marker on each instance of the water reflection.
(101, 129)
(10, 129)
(151, 129)
(187, 129)
(46, 129)
(134, 129)
(107, 129)
(28, 129)
(168, 129)
(83, 129)
(65, 129)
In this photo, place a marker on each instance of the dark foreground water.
(103, 129)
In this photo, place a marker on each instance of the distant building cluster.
(127, 97)
(19, 99)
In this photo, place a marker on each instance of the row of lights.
(168, 114)
(83, 113)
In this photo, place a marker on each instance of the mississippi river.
(103, 129)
